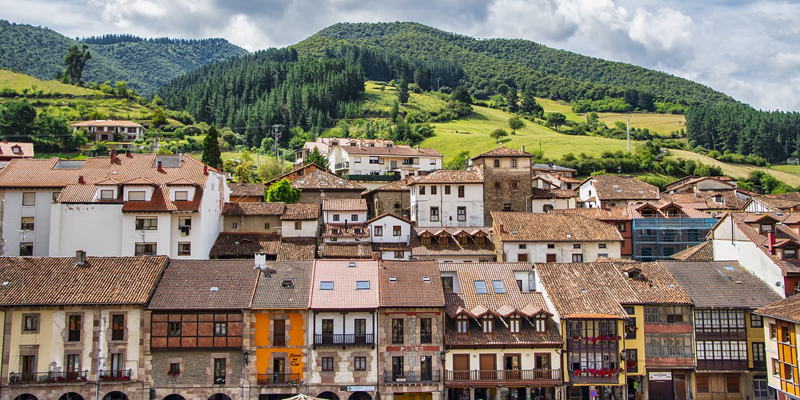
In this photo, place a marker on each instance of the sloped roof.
(257, 208)
(704, 200)
(324, 180)
(344, 205)
(402, 185)
(552, 227)
(614, 187)
(300, 212)
(539, 193)
(298, 249)
(25, 149)
(618, 213)
(700, 252)
(453, 248)
(57, 281)
(395, 150)
(272, 293)
(408, 288)
(346, 250)
(787, 309)
(189, 285)
(721, 284)
(344, 294)
(451, 176)
(244, 244)
(779, 202)
(503, 152)
(783, 234)
(655, 285)
(389, 215)
(108, 122)
(246, 189)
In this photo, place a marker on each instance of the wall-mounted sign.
(361, 388)
(660, 376)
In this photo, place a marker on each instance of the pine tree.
(402, 91)
(211, 155)
(315, 157)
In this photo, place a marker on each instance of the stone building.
(394, 198)
(506, 180)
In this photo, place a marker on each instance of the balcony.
(411, 377)
(341, 165)
(279, 340)
(278, 379)
(46, 377)
(373, 178)
(114, 375)
(343, 339)
(550, 376)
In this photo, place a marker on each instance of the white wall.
(388, 223)
(346, 326)
(13, 211)
(389, 255)
(308, 229)
(537, 205)
(96, 228)
(361, 217)
(448, 205)
(586, 191)
(537, 252)
(755, 206)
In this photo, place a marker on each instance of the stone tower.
(507, 180)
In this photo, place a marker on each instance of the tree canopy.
(282, 191)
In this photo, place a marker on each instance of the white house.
(544, 200)
(390, 236)
(104, 130)
(373, 166)
(138, 204)
(300, 221)
(613, 190)
(448, 198)
(323, 146)
(554, 237)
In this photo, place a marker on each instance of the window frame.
(183, 250)
(146, 223)
(114, 327)
(184, 195)
(29, 202)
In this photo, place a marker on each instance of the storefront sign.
(660, 376)
(361, 388)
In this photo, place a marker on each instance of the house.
(786, 202)
(345, 232)
(562, 177)
(300, 221)
(373, 166)
(110, 130)
(199, 321)
(553, 237)
(279, 343)
(236, 245)
(73, 326)
(343, 324)
(781, 321)
(506, 173)
(258, 217)
(411, 331)
(661, 230)
(12, 150)
(731, 357)
(390, 236)
(453, 245)
(692, 184)
(793, 160)
(323, 145)
(712, 202)
(614, 190)
(392, 198)
(766, 244)
(136, 204)
(247, 192)
(545, 200)
(448, 198)
(619, 217)
(317, 185)
(502, 341)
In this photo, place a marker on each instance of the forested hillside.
(145, 64)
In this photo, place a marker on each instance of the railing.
(47, 377)
(342, 165)
(504, 375)
(278, 379)
(114, 375)
(340, 339)
(279, 340)
(373, 178)
(411, 377)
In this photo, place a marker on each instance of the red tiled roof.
(272, 294)
(206, 285)
(300, 212)
(159, 201)
(244, 245)
(298, 249)
(257, 208)
(700, 252)
(408, 288)
(346, 250)
(552, 227)
(539, 193)
(344, 295)
(451, 176)
(618, 213)
(787, 309)
(503, 152)
(344, 205)
(246, 190)
(323, 180)
(25, 149)
(397, 186)
(613, 187)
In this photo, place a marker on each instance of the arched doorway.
(70, 396)
(26, 396)
(115, 395)
(328, 396)
(360, 396)
(219, 396)
(174, 397)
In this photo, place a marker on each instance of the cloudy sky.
(747, 49)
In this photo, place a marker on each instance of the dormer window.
(648, 213)
(443, 240)
(479, 240)
(182, 195)
(717, 199)
(672, 213)
(789, 254)
(488, 324)
(16, 150)
(106, 194)
(513, 323)
(541, 323)
(766, 228)
(426, 240)
(137, 195)
(462, 323)
(462, 240)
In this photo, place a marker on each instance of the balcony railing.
(279, 340)
(341, 165)
(114, 375)
(528, 375)
(46, 377)
(411, 377)
(277, 379)
(373, 178)
(340, 339)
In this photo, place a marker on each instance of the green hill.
(144, 64)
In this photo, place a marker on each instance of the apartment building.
(110, 130)
(781, 333)
(373, 166)
(448, 198)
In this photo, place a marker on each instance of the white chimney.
(523, 149)
(80, 258)
(261, 261)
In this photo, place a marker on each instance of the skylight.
(287, 284)
(480, 287)
(326, 285)
(362, 285)
(729, 268)
(498, 287)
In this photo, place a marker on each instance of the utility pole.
(438, 86)
(276, 133)
(628, 118)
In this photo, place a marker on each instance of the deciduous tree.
(75, 60)
(497, 134)
(282, 191)
(515, 123)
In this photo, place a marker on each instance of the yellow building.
(782, 332)
(279, 314)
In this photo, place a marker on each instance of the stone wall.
(315, 196)
(384, 202)
(499, 190)
(196, 379)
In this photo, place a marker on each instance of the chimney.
(80, 258)
(418, 148)
(523, 149)
(129, 154)
(81, 180)
(113, 155)
(160, 168)
(261, 261)
(376, 256)
(205, 169)
(771, 238)
(502, 229)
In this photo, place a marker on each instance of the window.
(55, 195)
(26, 249)
(182, 195)
(396, 230)
(462, 240)
(356, 160)
(327, 364)
(621, 226)
(235, 225)
(513, 163)
(354, 217)
(447, 189)
(397, 206)
(576, 258)
(174, 369)
(497, 163)
(434, 190)
(335, 217)
(551, 246)
(426, 240)
(576, 246)
(488, 324)
(74, 328)
(461, 191)
(287, 284)
(28, 198)
(397, 330)
(602, 245)
(497, 185)
(377, 231)
(479, 240)
(145, 249)
(480, 287)
(462, 323)
(447, 284)
(360, 363)
(422, 190)
(118, 327)
(29, 365)
(220, 329)
(30, 323)
(756, 321)
(374, 160)
(219, 371)
(513, 184)
(326, 285)
(73, 366)
(759, 353)
(776, 367)
(766, 228)
(184, 249)
(174, 329)
(146, 223)
(298, 225)
(399, 254)
(513, 324)
(106, 194)
(434, 213)
(425, 330)
(498, 287)
(117, 364)
(787, 372)
(397, 367)
(702, 383)
(523, 246)
(541, 324)
(27, 224)
(462, 213)
(507, 207)
(266, 225)
(773, 332)
(362, 285)
(789, 254)
(136, 195)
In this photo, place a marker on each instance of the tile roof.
(272, 293)
(26, 149)
(701, 252)
(655, 284)
(691, 183)
(587, 290)
(721, 284)
(298, 249)
(397, 186)
(244, 245)
(246, 189)
(189, 285)
(538, 193)
(551, 167)
(552, 227)
(257, 208)
(660, 210)
(324, 180)
(394, 151)
(408, 288)
(451, 176)
(376, 247)
(780, 202)
(344, 205)
(783, 233)
(618, 213)
(159, 201)
(453, 248)
(345, 231)
(704, 200)
(301, 212)
(614, 187)
(57, 281)
(346, 250)
(344, 295)
(390, 215)
(108, 122)
(503, 152)
(787, 309)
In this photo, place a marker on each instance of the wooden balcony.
(522, 377)
(343, 340)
